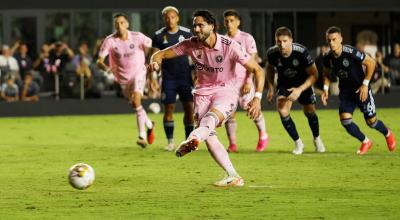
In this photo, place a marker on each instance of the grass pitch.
(135, 183)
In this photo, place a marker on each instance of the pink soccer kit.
(215, 70)
(127, 59)
(248, 44)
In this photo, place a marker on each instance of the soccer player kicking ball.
(296, 74)
(244, 81)
(127, 51)
(347, 62)
(216, 93)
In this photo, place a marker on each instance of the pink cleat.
(262, 144)
(232, 148)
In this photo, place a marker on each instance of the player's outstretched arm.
(157, 58)
(270, 82)
(312, 72)
(369, 71)
(254, 109)
(325, 93)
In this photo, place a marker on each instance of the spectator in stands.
(393, 61)
(83, 70)
(83, 52)
(24, 61)
(60, 55)
(9, 90)
(9, 65)
(379, 79)
(30, 89)
(42, 64)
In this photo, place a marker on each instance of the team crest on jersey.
(181, 38)
(132, 46)
(295, 62)
(165, 41)
(219, 59)
(346, 62)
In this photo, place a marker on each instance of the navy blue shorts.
(306, 97)
(170, 88)
(350, 100)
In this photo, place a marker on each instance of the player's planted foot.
(391, 141)
(141, 142)
(365, 146)
(150, 134)
(232, 148)
(170, 147)
(262, 144)
(187, 147)
(230, 181)
(319, 146)
(299, 146)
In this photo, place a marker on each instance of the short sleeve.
(155, 43)
(105, 48)
(181, 47)
(251, 46)
(308, 60)
(358, 55)
(238, 54)
(146, 41)
(325, 61)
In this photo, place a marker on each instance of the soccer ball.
(155, 107)
(81, 176)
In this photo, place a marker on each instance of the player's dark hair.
(231, 12)
(208, 17)
(120, 14)
(333, 29)
(283, 31)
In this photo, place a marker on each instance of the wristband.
(258, 95)
(366, 82)
(326, 87)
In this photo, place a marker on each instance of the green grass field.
(135, 183)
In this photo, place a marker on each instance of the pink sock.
(141, 117)
(231, 127)
(260, 123)
(207, 124)
(220, 155)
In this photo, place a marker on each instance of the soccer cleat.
(150, 134)
(364, 147)
(170, 147)
(391, 141)
(262, 144)
(187, 147)
(232, 148)
(141, 142)
(230, 181)
(319, 146)
(299, 146)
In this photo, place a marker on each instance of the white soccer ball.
(155, 107)
(81, 176)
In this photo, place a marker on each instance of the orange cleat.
(187, 147)
(390, 141)
(364, 147)
(150, 134)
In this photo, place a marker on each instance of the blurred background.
(55, 43)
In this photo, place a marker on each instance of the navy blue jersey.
(176, 68)
(348, 67)
(292, 69)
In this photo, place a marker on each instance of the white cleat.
(319, 146)
(170, 147)
(299, 146)
(230, 181)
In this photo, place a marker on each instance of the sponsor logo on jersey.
(202, 67)
(290, 73)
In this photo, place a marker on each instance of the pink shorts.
(136, 84)
(224, 100)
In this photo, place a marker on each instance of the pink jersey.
(248, 44)
(215, 67)
(127, 58)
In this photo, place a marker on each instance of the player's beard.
(203, 37)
